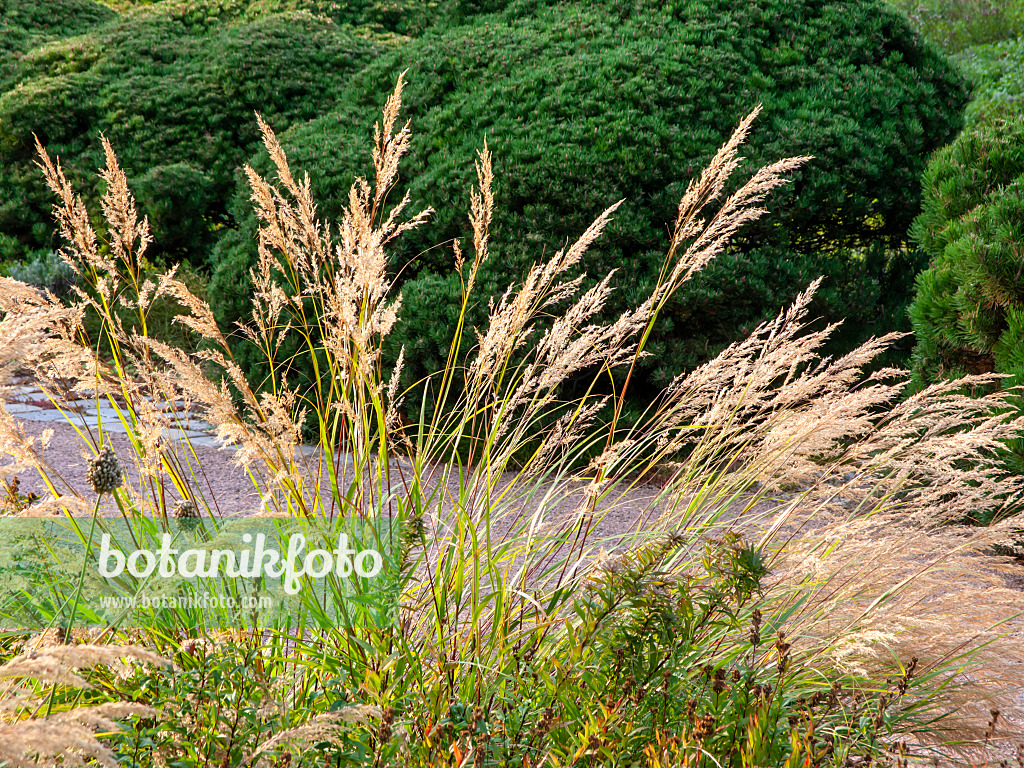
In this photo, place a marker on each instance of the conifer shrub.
(26, 24)
(968, 313)
(584, 104)
(175, 85)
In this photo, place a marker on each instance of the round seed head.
(105, 472)
(185, 508)
(186, 514)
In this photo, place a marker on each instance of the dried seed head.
(705, 727)
(105, 472)
(185, 508)
(718, 682)
(186, 514)
(384, 731)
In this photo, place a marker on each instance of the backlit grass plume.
(789, 591)
(33, 735)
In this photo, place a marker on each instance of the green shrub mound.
(968, 313)
(585, 104)
(26, 24)
(174, 87)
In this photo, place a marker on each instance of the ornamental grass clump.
(32, 734)
(787, 593)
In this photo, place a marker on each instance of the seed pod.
(718, 681)
(705, 727)
(186, 514)
(105, 472)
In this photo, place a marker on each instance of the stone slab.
(22, 408)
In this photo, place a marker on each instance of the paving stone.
(177, 436)
(44, 414)
(117, 428)
(307, 450)
(22, 408)
(207, 441)
(25, 390)
(197, 431)
(190, 425)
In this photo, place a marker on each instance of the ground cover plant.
(982, 38)
(782, 599)
(958, 25)
(994, 70)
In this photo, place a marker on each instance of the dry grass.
(30, 737)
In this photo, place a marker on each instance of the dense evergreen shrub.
(174, 87)
(968, 313)
(378, 18)
(26, 24)
(587, 103)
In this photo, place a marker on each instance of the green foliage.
(393, 18)
(383, 17)
(967, 310)
(586, 104)
(47, 271)
(162, 315)
(174, 87)
(996, 71)
(26, 24)
(650, 670)
(956, 25)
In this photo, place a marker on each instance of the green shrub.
(47, 271)
(26, 24)
(968, 307)
(585, 104)
(387, 18)
(175, 86)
